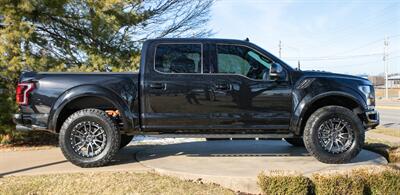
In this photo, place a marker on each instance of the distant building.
(377, 80)
(394, 81)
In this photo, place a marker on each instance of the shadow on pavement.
(242, 148)
(33, 167)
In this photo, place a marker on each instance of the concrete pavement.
(52, 161)
(236, 164)
(233, 164)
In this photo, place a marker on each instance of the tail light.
(22, 93)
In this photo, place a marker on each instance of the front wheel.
(89, 138)
(334, 134)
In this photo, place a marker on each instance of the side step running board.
(221, 135)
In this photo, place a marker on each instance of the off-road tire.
(313, 145)
(125, 140)
(298, 142)
(110, 129)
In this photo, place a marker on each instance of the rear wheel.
(298, 142)
(334, 134)
(89, 138)
(125, 140)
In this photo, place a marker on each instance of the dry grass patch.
(277, 182)
(32, 140)
(380, 180)
(367, 180)
(105, 183)
(389, 151)
(331, 184)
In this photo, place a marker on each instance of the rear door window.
(178, 58)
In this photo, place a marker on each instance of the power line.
(368, 44)
(333, 57)
(345, 30)
(352, 65)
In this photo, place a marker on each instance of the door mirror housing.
(276, 72)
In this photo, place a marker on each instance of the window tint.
(242, 60)
(178, 58)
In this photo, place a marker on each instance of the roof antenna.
(247, 39)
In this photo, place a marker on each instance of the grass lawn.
(105, 183)
(387, 131)
(365, 180)
(390, 151)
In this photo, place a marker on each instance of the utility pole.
(280, 49)
(385, 64)
(298, 64)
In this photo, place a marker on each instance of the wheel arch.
(89, 95)
(309, 105)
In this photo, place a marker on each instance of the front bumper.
(30, 122)
(371, 119)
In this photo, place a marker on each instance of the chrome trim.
(372, 112)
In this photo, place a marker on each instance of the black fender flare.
(307, 101)
(91, 90)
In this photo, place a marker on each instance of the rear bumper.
(372, 119)
(30, 122)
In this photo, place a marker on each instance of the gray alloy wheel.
(335, 135)
(88, 139)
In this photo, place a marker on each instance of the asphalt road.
(390, 114)
(390, 118)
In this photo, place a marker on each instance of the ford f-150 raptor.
(211, 88)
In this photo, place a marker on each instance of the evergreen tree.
(88, 35)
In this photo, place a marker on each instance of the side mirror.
(276, 72)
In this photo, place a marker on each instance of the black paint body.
(150, 101)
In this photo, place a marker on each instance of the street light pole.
(385, 64)
(280, 49)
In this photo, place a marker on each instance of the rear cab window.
(179, 58)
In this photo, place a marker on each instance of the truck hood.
(335, 76)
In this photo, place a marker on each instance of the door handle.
(158, 86)
(222, 86)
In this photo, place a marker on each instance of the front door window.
(235, 59)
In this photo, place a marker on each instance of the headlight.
(369, 94)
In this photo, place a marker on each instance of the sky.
(338, 36)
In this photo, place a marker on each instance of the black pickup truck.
(211, 88)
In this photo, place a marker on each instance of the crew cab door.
(175, 90)
(247, 97)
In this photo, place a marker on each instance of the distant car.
(212, 88)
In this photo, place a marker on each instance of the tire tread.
(114, 147)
